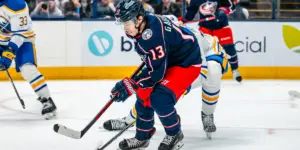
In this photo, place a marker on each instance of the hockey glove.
(6, 59)
(226, 10)
(123, 89)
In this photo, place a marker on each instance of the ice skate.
(236, 75)
(133, 144)
(115, 124)
(49, 108)
(172, 142)
(208, 124)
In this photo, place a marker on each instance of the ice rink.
(254, 115)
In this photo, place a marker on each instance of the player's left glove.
(123, 89)
(6, 59)
(226, 10)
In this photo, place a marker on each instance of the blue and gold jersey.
(211, 50)
(15, 24)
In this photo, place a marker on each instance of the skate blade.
(208, 135)
(238, 79)
(134, 149)
(49, 116)
(178, 146)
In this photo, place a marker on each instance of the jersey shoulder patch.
(147, 34)
(152, 33)
(154, 25)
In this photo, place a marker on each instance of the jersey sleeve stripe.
(142, 49)
(24, 36)
(143, 79)
(3, 38)
(21, 31)
(183, 35)
(164, 48)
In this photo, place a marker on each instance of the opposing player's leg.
(120, 123)
(225, 37)
(210, 96)
(26, 64)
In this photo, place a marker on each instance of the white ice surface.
(255, 115)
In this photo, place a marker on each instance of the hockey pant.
(162, 99)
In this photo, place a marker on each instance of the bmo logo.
(100, 43)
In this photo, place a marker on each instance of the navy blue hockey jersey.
(162, 45)
(221, 17)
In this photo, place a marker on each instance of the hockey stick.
(16, 91)
(116, 136)
(79, 134)
(294, 94)
(201, 20)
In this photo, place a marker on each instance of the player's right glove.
(123, 89)
(6, 59)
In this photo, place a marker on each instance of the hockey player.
(172, 57)
(213, 67)
(218, 27)
(17, 43)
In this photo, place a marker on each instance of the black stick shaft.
(16, 91)
(116, 136)
(101, 112)
(202, 20)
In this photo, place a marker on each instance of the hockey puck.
(271, 131)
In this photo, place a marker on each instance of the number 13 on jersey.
(157, 53)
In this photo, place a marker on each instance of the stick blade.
(63, 130)
(294, 94)
(22, 103)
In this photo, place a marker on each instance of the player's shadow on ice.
(223, 138)
(194, 143)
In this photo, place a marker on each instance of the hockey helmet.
(128, 10)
